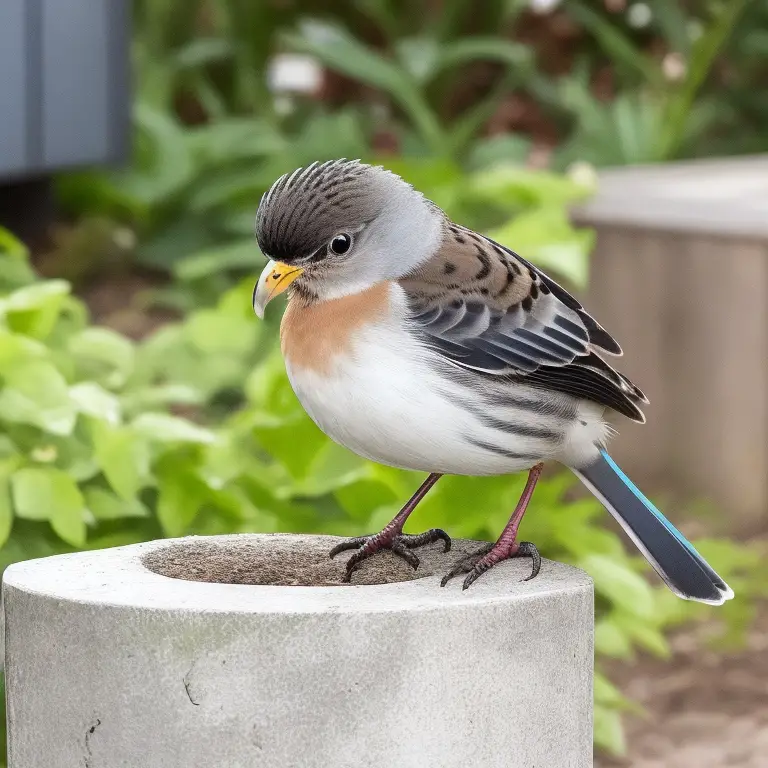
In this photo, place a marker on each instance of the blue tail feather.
(673, 557)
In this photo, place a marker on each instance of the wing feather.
(488, 310)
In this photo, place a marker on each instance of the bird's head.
(336, 228)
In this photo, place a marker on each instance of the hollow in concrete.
(284, 560)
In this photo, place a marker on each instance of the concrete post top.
(720, 196)
(186, 574)
(126, 666)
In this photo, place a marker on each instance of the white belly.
(384, 401)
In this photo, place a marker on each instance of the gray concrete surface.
(111, 664)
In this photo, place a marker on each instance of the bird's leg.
(392, 536)
(506, 546)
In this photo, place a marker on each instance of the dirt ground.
(704, 710)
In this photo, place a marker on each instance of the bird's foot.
(486, 557)
(390, 538)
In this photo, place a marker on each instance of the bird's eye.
(341, 243)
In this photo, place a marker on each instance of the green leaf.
(324, 137)
(294, 442)
(503, 149)
(611, 641)
(164, 428)
(11, 245)
(73, 454)
(703, 56)
(93, 400)
(225, 460)
(418, 56)
(440, 178)
(106, 506)
(240, 255)
(36, 296)
(68, 519)
(165, 162)
(609, 731)
(103, 355)
(615, 43)
(123, 456)
(185, 234)
(215, 332)
(15, 348)
(14, 272)
(331, 468)
(181, 494)
(340, 51)
(516, 186)
(34, 309)
(34, 392)
(277, 420)
(621, 585)
(203, 51)
(643, 633)
(362, 497)
(232, 140)
(608, 695)
(465, 50)
(446, 505)
(50, 494)
(606, 692)
(6, 508)
(162, 396)
(673, 22)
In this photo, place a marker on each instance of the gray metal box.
(64, 84)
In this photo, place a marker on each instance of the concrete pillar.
(109, 663)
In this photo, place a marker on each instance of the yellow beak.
(275, 278)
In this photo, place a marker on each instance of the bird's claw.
(400, 543)
(476, 564)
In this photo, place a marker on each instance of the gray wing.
(486, 309)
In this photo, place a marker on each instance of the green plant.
(656, 115)
(409, 75)
(208, 61)
(216, 53)
(78, 458)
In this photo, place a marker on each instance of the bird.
(421, 344)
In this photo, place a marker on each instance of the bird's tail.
(673, 557)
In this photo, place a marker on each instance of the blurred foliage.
(105, 441)
(419, 81)
(433, 73)
(424, 78)
(672, 105)
(193, 192)
(94, 452)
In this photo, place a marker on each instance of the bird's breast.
(371, 384)
(314, 338)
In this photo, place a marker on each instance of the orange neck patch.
(311, 337)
